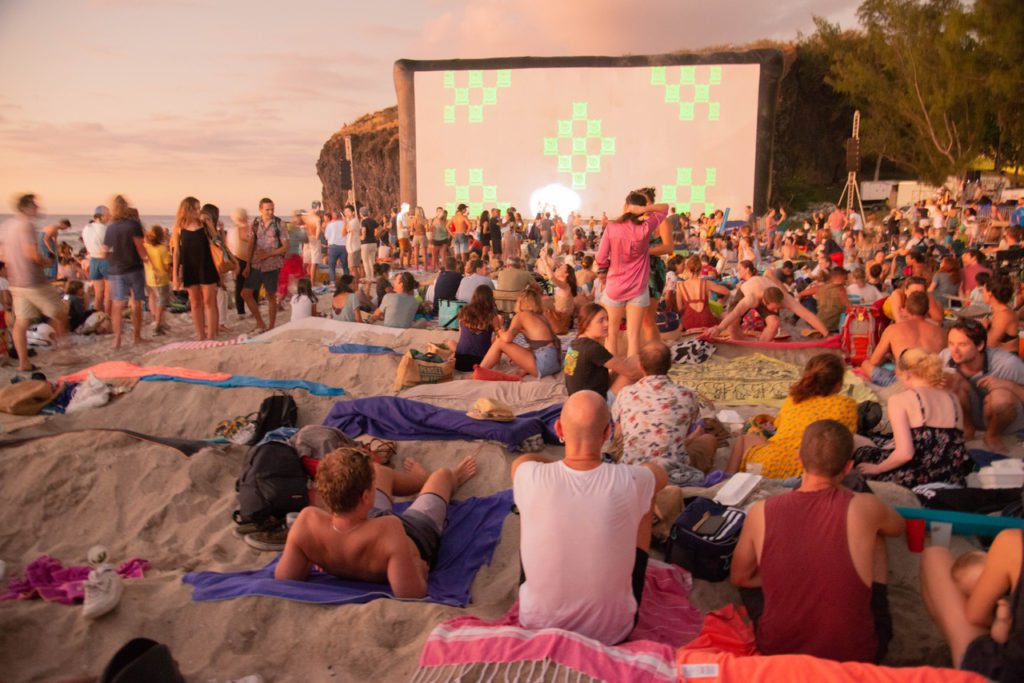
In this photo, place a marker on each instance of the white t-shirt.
(867, 295)
(856, 222)
(353, 236)
(302, 307)
(92, 235)
(578, 546)
(333, 234)
(469, 284)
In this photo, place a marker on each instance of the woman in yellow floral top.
(815, 396)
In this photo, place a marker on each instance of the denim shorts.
(128, 284)
(98, 269)
(548, 361)
(642, 300)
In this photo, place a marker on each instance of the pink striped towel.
(468, 646)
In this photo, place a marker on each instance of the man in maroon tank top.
(817, 559)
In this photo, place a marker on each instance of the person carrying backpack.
(267, 247)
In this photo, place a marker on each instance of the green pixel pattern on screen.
(474, 193)
(472, 91)
(686, 195)
(579, 145)
(692, 94)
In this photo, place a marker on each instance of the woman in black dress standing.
(193, 267)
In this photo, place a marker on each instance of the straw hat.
(490, 409)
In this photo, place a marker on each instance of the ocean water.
(73, 234)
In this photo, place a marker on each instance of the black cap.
(787, 265)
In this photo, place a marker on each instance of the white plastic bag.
(92, 393)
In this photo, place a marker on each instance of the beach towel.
(467, 543)
(370, 349)
(724, 652)
(756, 379)
(461, 394)
(48, 579)
(503, 650)
(399, 419)
(188, 447)
(236, 381)
(118, 368)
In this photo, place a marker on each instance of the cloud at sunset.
(233, 100)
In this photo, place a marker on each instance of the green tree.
(999, 26)
(915, 77)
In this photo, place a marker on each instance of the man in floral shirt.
(267, 246)
(654, 419)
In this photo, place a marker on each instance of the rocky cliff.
(374, 162)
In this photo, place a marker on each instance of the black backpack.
(275, 412)
(272, 484)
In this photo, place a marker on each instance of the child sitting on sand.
(358, 536)
(304, 301)
(966, 571)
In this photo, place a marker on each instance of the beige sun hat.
(490, 409)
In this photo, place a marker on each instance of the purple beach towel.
(467, 543)
(401, 419)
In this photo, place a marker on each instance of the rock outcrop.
(374, 160)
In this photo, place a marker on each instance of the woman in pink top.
(624, 252)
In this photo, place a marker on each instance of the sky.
(232, 100)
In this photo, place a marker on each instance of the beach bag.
(857, 334)
(275, 412)
(434, 366)
(703, 539)
(869, 415)
(448, 313)
(272, 484)
(27, 397)
(222, 258)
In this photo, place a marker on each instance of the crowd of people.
(593, 301)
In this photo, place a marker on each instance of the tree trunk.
(878, 167)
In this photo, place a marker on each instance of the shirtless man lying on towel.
(359, 537)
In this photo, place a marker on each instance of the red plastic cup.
(915, 535)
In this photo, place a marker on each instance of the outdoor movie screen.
(572, 138)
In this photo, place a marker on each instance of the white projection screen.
(579, 133)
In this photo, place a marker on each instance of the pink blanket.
(667, 621)
(46, 578)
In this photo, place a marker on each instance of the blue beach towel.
(370, 349)
(236, 381)
(468, 543)
(401, 419)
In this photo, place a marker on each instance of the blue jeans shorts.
(98, 269)
(548, 361)
(128, 284)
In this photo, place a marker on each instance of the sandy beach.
(75, 489)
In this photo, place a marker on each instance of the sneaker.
(268, 541)
(103, 590)
(241, 530)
